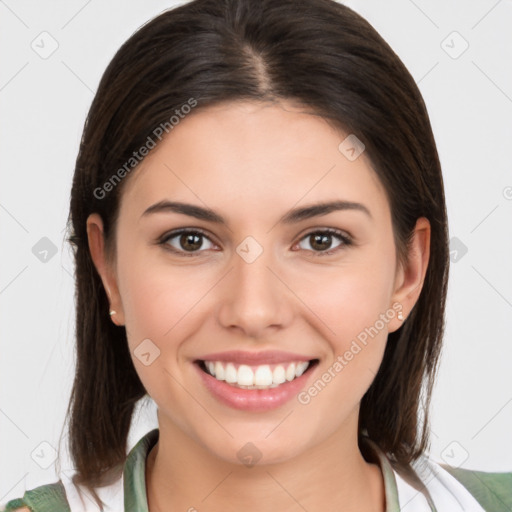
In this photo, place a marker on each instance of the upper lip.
(255, 358)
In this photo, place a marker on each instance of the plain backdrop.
(52, 56)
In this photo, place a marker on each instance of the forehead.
(243, 155)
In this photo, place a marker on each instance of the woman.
(260, 237)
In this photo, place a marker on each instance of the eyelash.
(344, 238)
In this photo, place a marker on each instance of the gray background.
(44, 100)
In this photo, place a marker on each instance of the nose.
(254, 298)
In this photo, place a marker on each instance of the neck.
(183, 475)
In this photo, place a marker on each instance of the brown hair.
(323, 56)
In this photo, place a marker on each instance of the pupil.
(194, 239)
(320, 239)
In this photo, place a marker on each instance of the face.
(254, 286)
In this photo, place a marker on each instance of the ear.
(410, 276)
(95, 236)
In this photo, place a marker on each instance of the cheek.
(352, 309)
(155, 310)
(353, 313)
(350, 298)
(165, 304)
(158, 296)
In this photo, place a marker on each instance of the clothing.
(446, 489)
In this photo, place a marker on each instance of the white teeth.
(290, 372)
(245, 375)
(301, 368)
(258, 377)
(231, 373)
(219, 371)
(263, 376)
(279, 375)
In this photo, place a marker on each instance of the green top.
(493, 491)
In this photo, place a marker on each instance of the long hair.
(322, 55)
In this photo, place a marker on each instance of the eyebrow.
(291, 217)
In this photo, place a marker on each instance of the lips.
(255, 381)
(256, 358)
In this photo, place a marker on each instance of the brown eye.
(187, 241)
(322, 241)
(190, 241)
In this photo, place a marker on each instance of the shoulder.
(65, 496)
(45, 498)
(427, 484)
(491, 489)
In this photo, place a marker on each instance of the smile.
(265, 376)
(254, 387)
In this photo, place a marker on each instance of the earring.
(400, 315)
(112, 312)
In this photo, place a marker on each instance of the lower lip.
(255, 400)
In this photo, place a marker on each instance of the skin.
(253, 162)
